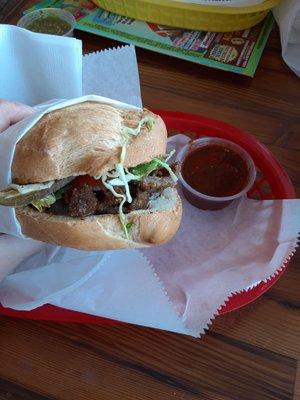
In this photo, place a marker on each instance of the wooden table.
(253, 353)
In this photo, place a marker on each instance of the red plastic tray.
(272, 183)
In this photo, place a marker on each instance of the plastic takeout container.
(205, 201)
(64, 15)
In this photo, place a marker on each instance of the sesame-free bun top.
(84, 139)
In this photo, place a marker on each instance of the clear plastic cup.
(204, 201)
(64, 15)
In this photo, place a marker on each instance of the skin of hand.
(11, 113)
(12, 249)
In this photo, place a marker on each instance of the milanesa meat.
(90, 200)
(81, 201)
(154, 184)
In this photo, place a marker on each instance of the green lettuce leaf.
(146, 169)
(129, 226)
(46, 202)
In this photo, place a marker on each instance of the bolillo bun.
(104, 232)
(84, 139)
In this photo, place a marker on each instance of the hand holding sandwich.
(11, 113)
(12, 249)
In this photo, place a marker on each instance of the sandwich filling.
(86, 196)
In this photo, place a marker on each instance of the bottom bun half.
(151, 227)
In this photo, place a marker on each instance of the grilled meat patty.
(93, 200)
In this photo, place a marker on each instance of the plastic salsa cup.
(205, 201)
(53, 21)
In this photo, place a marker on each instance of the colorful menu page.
(237, 52)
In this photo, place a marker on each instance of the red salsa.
(215, 170)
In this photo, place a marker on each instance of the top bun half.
(84, 139)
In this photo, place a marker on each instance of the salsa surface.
(215, 170)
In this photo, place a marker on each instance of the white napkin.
(24, 78)
(287, 15)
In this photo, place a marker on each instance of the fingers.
(11, 113)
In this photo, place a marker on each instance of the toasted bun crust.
(84, 139)
(104, 232)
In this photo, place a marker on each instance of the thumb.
(11, 113)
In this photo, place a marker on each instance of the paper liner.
(269, 278)
(238, 247)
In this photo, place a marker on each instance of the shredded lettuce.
(143, 170)
(148, 121)
(127, 132)
(128, 176)
(121, 177)
(109, 186)
(122, 217)
(46, 202)
(168, 168)
(168, 156)
(129, 226)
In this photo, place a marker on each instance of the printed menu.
(238, 52)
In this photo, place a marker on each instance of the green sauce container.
(52, 21)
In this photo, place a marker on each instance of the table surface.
(253, 353)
